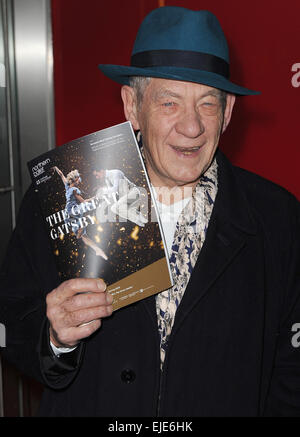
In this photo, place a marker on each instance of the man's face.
(180, 123)
(100, 174)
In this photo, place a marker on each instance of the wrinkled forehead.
(160, 88)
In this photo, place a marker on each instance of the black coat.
(233, 350)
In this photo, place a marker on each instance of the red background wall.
(264, 41)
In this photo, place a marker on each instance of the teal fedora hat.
(179, 44)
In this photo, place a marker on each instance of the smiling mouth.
(186, 150)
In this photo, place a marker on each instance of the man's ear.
(130, 105)
(230, 101)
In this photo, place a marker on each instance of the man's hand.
(75, 310)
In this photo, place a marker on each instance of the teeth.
(187, 151)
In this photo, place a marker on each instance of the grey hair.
(223, 100)
(139, 84)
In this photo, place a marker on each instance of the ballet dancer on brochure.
(73, 198)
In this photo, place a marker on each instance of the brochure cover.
(100, 214)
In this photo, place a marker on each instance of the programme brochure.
(100, 214)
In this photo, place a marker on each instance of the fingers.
(79, 285)
(86, 300)
(85, 315)
(75, 310)
(76, 334)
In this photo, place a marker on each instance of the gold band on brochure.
(132, 288)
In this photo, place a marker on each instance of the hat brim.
(121, 74)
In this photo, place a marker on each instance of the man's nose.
(190, 124)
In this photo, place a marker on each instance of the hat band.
(181, 58)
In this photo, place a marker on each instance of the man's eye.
(168, 104)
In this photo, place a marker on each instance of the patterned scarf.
(189, 237)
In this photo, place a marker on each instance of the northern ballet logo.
(296, 77)
(38, 169)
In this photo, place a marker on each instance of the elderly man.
(223, 340)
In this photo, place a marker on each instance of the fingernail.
(101, 285)
(109, 298)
